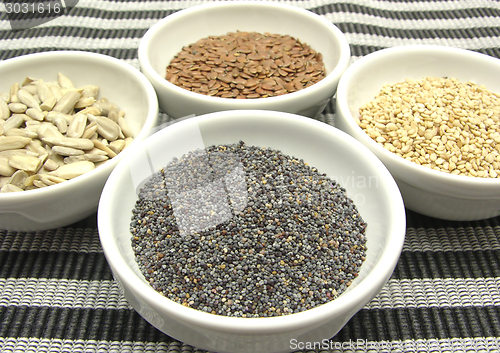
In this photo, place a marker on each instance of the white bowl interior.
(366, 180)
(121, 84)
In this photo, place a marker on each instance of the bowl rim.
(423, 172)
(342, 306)
(159, 81)
(106, 168)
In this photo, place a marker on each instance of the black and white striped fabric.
(57, 293)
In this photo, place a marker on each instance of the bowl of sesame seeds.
(243, 55)
(432, 115)
(228, 234)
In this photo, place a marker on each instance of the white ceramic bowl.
(167, 37)
(65, 203)
(368, 184)
(429, 192)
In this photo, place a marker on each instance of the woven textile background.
(57, 293)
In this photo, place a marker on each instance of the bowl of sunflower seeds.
(243, 55)
(432, 115)
(250, 230)
(66, 118)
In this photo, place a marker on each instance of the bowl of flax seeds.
(243, 55)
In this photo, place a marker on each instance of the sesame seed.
(452, 119)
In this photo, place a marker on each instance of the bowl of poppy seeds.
(246, 230)
(243, 55)
(432, 116)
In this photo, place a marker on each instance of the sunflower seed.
(21, 132)
(44, 91)
(103, 106)
(5, 168)
(35, 114)
(113, 115)
(39, 184)
(90, 130)
(67, 102)
(91, 110)
(51, 178)
(10, 188)
(13, 142)
(56, 91)
(27, 98)
(60, 122)
(43, 158)
(97, 151)
(29, 180)
(32, 90)
(125, 127)
(15, 121)
(45, 180)
(77, 127)
(4, 109)
(70, 171)
(3, 180)
(12, 152)
(50, 164)
(78, 143)
(48, 104)
(28, 80)
(90, 91)
(26, 163)
(92, 157)
(46, 130)
(36, 147)
(96, 158)
(32, 125)
(98, 144)
(53, 114)
(84, 102)
(64, 81)
(13, 93)
(106, 127)
(19, 178)
(67, 151)
(128, 141)
(73, 159)
(17, 107)
(117, 146)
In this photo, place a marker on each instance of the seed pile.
(246, 65)
(53, 131)
(439, 123)
(268, 235)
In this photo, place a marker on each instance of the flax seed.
(253, 58)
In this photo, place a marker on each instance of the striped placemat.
(57, 292)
